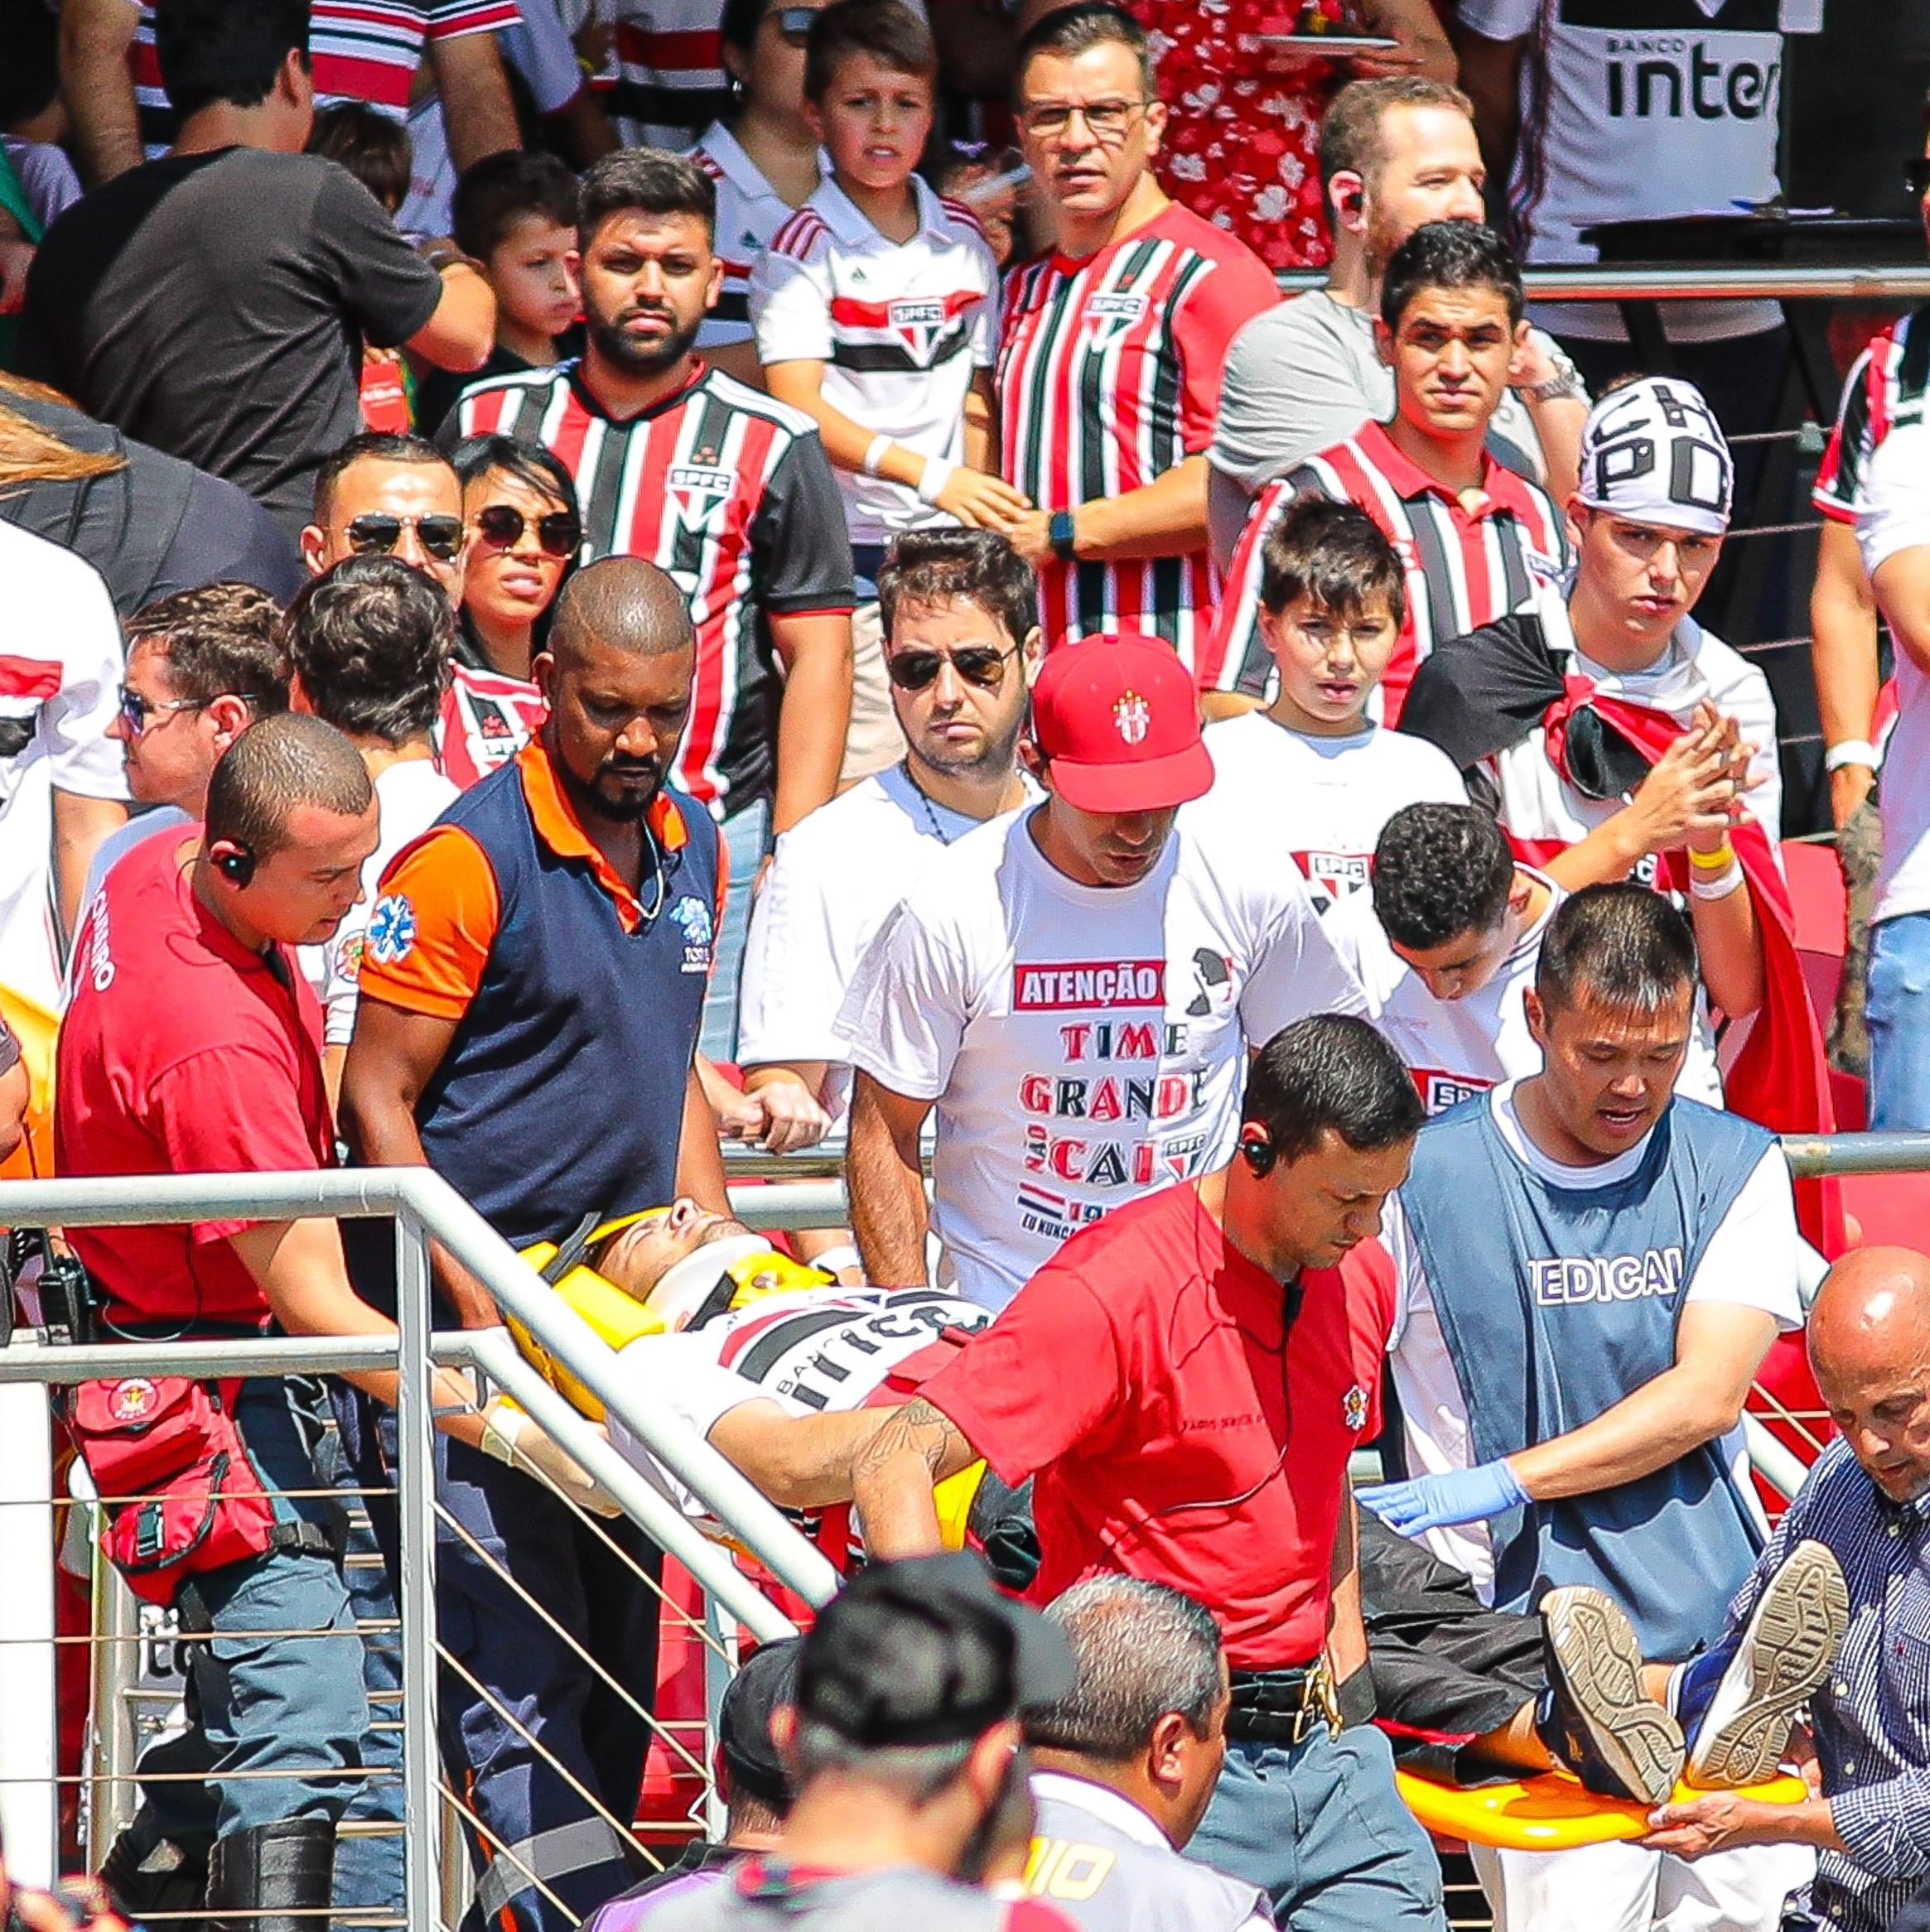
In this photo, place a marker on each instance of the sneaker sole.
(1602, 1662)
(1788, 1647)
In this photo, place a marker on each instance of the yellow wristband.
(1720, 860)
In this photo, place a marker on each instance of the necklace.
(931, 817)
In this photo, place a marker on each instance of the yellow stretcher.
(1552, 1813)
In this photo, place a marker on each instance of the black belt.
(1281, 1707)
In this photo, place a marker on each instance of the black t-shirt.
(216, 306)
(154, 526)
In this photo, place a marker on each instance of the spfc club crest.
(700, 491)
(920, 322)
(1112, 311)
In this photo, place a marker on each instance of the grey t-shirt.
(1303, 377)
(216, 306)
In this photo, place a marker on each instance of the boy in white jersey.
(875, 312)
(1314, 767)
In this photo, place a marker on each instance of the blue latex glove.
(1433, 1502)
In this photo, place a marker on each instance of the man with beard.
(728, 491)
(531, 986)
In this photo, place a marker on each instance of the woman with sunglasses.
(520, 507)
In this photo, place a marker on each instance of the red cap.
(1118, 719)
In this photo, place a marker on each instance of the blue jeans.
(1898, 1015)
(285, 1715)
(747, 840)
(1321, 1828)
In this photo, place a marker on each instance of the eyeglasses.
(376, 532)
(978, 664)
(136, 711)
(1105, 121)
(559, 531)
(793, 23)
(1917, 175)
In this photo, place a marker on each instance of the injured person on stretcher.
(786, 1372)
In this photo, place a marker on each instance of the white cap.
(1654, 453)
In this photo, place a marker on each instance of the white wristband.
(1851, 751)
(1720, 887)
(835, 1260)
(937, 473)
(874, 454)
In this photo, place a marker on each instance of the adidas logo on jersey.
(1568, 1281)
(1665, 77)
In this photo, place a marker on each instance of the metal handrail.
(1634, 282)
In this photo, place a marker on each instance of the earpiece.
(236, 864)
(1260, 1155)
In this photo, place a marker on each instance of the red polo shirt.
(1141, 1376)
(181, 1053)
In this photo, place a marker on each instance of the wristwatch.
(1566, 382)
(1060, 534)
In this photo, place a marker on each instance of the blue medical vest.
(1557, 1303)
(561, 1093)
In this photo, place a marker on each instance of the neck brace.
(686, 1284)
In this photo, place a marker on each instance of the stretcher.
(1552, 1812)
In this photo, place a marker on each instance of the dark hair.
(649, 180)
(1628, 946)
(1450, 254)
(375, 445)
(1353, 129)
(1069, 31)
(542, 470)
(977, 567)
(275, 767)
(374, 149)
(740, 22)
(220, 640)
(371, 639)
(1141, 1649)
(1441, 870)
(500, 189)
(886, 30)
(227, 51)
(1334, 554)
(1331, 1070)
(30, 76)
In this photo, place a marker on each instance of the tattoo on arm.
(917, 1429)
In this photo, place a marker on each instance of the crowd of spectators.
(588, 581)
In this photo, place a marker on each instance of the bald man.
(1867, 1500)
(531, 989)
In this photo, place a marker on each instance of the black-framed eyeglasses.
(978, 664)
(1107, 120)
(1917, 174)
(376, 533)
(559, 531)
(793, 23)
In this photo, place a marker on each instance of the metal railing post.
(415, 1505)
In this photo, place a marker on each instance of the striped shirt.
(1885, 390)
(1871, 1717)
(1465, 566)
(361, 50)
(731, 494)
(1108, 376)
(670, 78)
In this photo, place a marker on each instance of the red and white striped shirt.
(670, 78)
(486, 719)
(731, 494)
(359, 49)
(1464, 566)
(1109, 374)
(1885, 388)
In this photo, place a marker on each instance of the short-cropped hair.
(374, 149)
(371, 640)
(644, 181)
(887, 29)
(1331, 1072)
(1353, 139)
(1450, 254)
(230, 50)
(500, 189)
(221, 640)
(373, 446)
(1335, 556)
(974, 567)
(274, 768)
(1622, 946)
(1141, 1649)
(1441, 870)
(1069, 31)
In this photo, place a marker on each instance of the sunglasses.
(793, 23)
(559, 531)
(136, 711)
(1917, 175)
(376, 532)
(978, 664)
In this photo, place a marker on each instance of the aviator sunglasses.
(558, 531)
(978, 664)
(377, 532)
